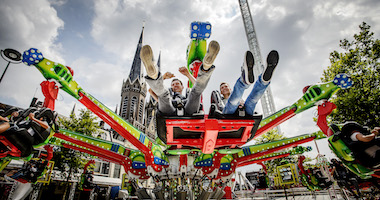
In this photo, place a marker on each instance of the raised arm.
(186, 72)
(41, 123)
(167, 75)
(154, 95)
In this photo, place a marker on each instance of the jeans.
(193, 100)
(234, 100)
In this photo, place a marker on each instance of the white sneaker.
(212, 52)
(146, 56)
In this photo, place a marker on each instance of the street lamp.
(12, 56)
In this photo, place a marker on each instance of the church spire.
(136, 65)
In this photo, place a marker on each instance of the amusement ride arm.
(62, 74)
(315, 95)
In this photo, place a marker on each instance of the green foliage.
(359, 59)
(271, 165)
(68, 160)
(271, 136)
(84, 124)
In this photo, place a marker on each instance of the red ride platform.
(208, 133)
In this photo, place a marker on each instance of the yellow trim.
(45, 178)
(287, 168)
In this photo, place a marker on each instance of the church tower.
(133, 92)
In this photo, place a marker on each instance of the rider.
(41, 122)
(364, 143)
(233, 100)
(155, 81)
(5, 123)
(175, 86)
(343, 176)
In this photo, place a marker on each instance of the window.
(124, 107)
(141, 109)
(132, 108)
(116, 172)
(97, 167)
(102, 168)
(105, 168)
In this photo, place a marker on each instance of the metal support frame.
(267, 102)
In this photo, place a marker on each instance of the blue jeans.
(234, 100)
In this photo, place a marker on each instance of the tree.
(85, 123)
(70, 161)
(271, 136)
(271, 165)
(359, 59)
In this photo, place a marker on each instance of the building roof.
(135, 72)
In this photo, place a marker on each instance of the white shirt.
(353, 136)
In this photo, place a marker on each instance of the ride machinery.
(188, 149)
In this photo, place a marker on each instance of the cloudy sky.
(98, 38)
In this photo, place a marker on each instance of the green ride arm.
(196, 51)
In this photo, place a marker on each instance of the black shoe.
(247, 68)
(272, 61)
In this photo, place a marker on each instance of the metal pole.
(2, 76)
(315, 142)
(286, 195)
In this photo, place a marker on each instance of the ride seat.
(8, 112)
(357, 147)
(21, 139)
(40, 134)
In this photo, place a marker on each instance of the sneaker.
(272, 61)
(212, 52)
(146, 56)
(247, 68)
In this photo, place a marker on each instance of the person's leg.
(156, 82)
(243, 83)
(164, 99)
(257, 92)
(262, 83)
(194, 98)
(204, 74)
(235, 97)
(4, 126)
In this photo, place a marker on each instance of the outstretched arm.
(365, 138)
(167, 75)
(41, 123)
(186, 72)
(154, 95)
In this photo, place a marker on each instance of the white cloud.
(26, 24)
